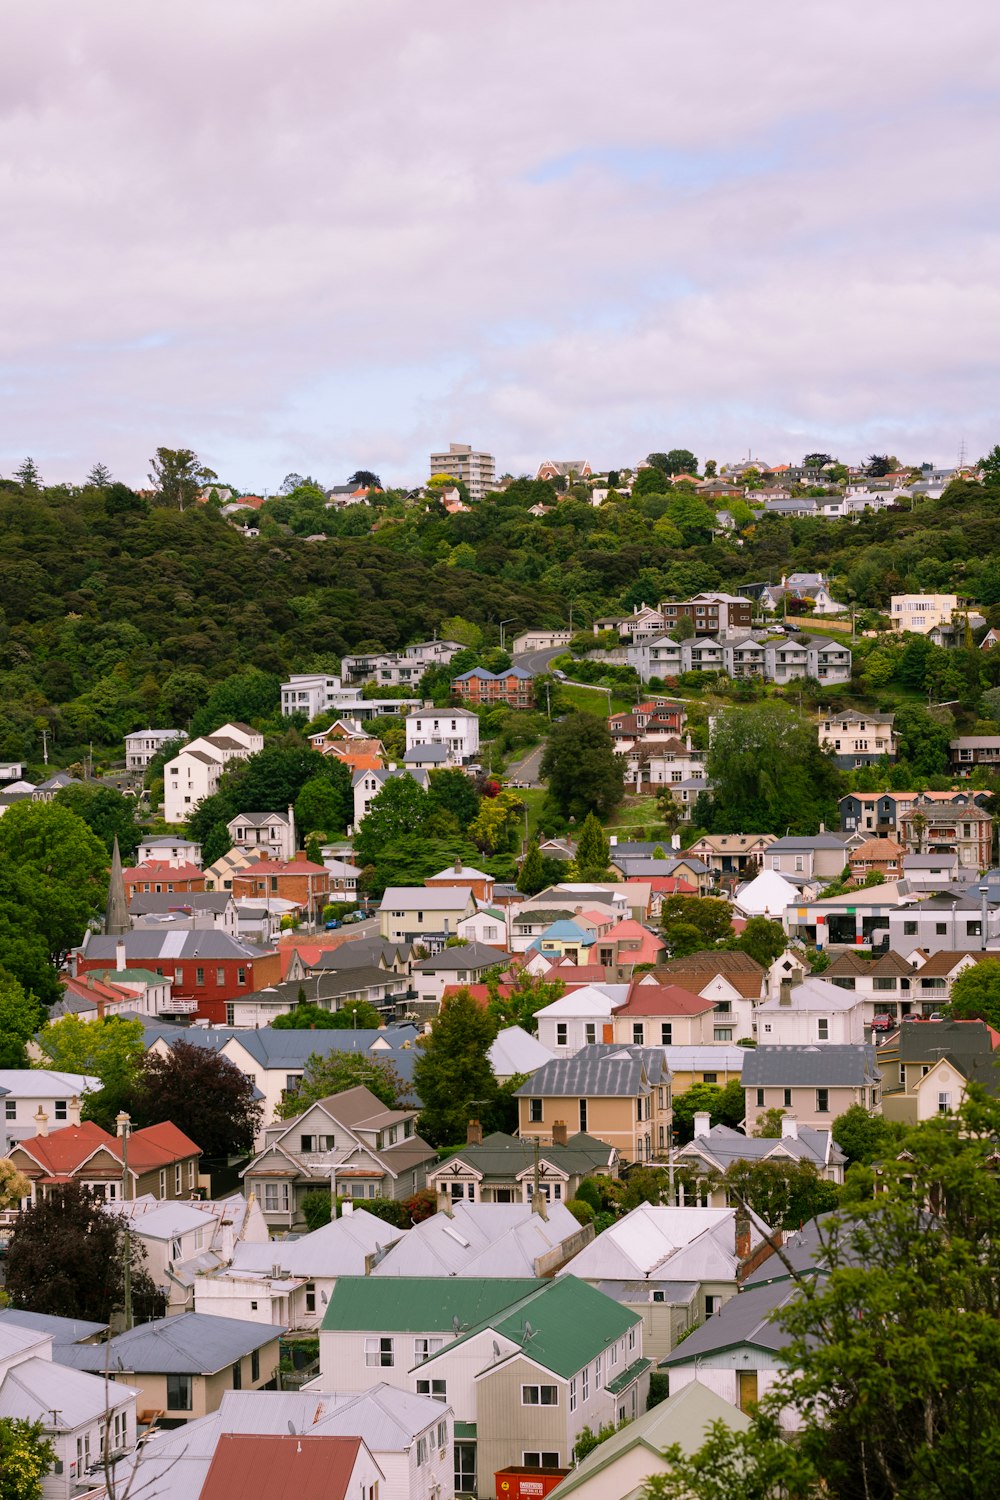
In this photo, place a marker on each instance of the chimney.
(702, 1123)
(474, 1133)
(120, 962)
(41, 1122)
(742, 1234)
(301, 854)
(786, 992)
(458, 867)
(123, 1121)
(347, 1207)
(789, 1128)
(73, 1113)
(560, 1135)
(291, 826)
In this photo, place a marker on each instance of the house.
(524, 1364)
(185, 1240)
(288, 1281)
(465, 964)
(971, 750)
(816, 1083)
(194, 773)
(709, 613)
(172, 850)
(770, 894)
(718, 1063)
(269, 835)
(933, 975)
(704, 1160)
(731, 853)
(797, 588)
(162, 1160)
(26, 1091)
(820, 856)
(734, 981)
(883, 812)
(213, 911)
(515, 1051)
(927, 1067)
(144, 745)
(503, 1169)
(159, 877)
(665, 1015)
(857, 919)
(515, 687)
(350, 1144)
(881, 856)
(737, 1354)
(298, 880)
(883, 986)
(210, 970)
(416, 914)
(673, 1266)
(457, 874)
(312, 694)
(781, 660)
(540, 640)
(87, 1420)
(958, 826)
(930, 872)
(488, 1240)
(334, 1467)
(403, 1433)
(398, 668)
(367, 784)
(809, 1010)
(681, 868)
(951, 919)
(487, 925)
(624, 1462)
(457, 729)
(110, 992)
(619, 1094)
(564, 468)
(580, 1018)
(336, 989)
(857, 739)
(183, 1366)
(920, 613)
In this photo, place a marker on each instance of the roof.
(515, 1050)
(744, 1319)
(480, 1240)
(424, 898)
(962, 1041)
(420, 1304)
(463, 956)
(877, 848)
(722, 1145)
(599, 1071)
(939, 965)
(61, 1398)
(811, 995)
(61, 1330)
(795, 843)
(662, 1000)
(186, 1344)
(45, 1083)
(63, 1151)
(505, 1156)
(829, 1065)
(660, 1243)
(339, 1248)
(282, 1467)
(150, 944)
(561, 1324)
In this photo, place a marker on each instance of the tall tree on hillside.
(28, 476)
(206, 1095)
(531, 876)
(178, 474)
(106, 812)
(767, 771)
(366, 479)
(452, 1074)
(99, 477)
(20, 1015)
(580, 765)
(593, 851)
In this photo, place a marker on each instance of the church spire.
(116, 919)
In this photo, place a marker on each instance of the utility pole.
(124, 1123)
(45, 746)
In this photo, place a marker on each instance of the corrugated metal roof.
(38, 1390)
(562, 1325)
(480, 1239)
(599, 1071)
(419, 1304)
(282, 1468)
(744, 1319)
(188, 1344)
(827, 1065)
(62, 1330)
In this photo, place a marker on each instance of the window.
(238, 1375)
(378, 1351)
(535, 1111)
(310, 1296)
(175, 1249)
(598, 1369)
(944, 1104)
(178, 1392)
(199, 976)
(822, 1101)
(723, 1033)
(712, 1304)
(561, 1033)
(709, 1077)
(572, 1394)
(442, 1434)
(61, 1113)
(190, 1174)
(277, 1197)
(230, 1014)
(163, 1182)
(941, 928)
(909, 929)
(638, 1033)
(760, 1098)
(631, 1339)
(974, 929)
(424, 1348)
(543, 1460)
(585, 1384)
(421, 1451)
(788, 1099)
(178, 1181)
(823, 1029)
(583, 1115)
(539, 1395)
(666, 1033)
(590, 1033)
(465, 1469)
(437, 1389)
(10, 1109)
(241, 975)
(220, 977)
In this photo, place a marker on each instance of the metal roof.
(828, 1065)
(561, 1325)
(188, 1344)
(744, 1319)
(480, 1240)
(39, 1390)
(420, 1304)
(62, 1330)
(282, 1466)
(601, 1070)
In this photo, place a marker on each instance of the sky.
(332, 234)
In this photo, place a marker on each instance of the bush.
(590, 1192)
(317, 1208)
(582, 1211)
(421, 1205)
(387, 1209)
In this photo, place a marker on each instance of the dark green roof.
(420, 1304)
(571, 1323)
(625, 1379)
(501, 1155)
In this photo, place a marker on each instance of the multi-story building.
(709, 613)
(617, 1093)
(859, 739)
(194, 773)
(266, 835)
(297, 879)
(477, 471)
(883, 812)
(313, 693)
(367, 784)
(771, 660)
(816, 1084)
(144, 744)
(162, 1161)
(957, 826)
(564, 468)
(456, 729)
(210, 970)
(398, 668)
(971, 750)
(515, 687)
(920, 613)
(174, 851)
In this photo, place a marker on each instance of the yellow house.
(619, 1094)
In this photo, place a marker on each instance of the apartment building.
(144, 744)
(313, 693)
(398, 668)
(783, 660)
(477, 471)
(921, 613)
(859, 739)
(515, 687)
(709, 613)
(958, 826)
(194, 773)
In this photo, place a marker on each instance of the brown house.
(297, 880)
(162, 1160)
(618, 1094)
(883, 855)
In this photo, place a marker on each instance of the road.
(538, 661)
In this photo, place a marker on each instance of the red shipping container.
(517, 1483)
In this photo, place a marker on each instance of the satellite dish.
(291, 1429)
(323, 1298)
(456, 1324)
(496, 1349)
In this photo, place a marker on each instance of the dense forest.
(117, 609)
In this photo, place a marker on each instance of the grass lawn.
(533, 797)
(635, 812)
(594, 700)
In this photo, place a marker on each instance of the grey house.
(814, 1083)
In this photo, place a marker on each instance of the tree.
(677, 461)
(26, 1456)
(923, 741)
(452, 1075)
(365, 479)
(401, 808)
(53, 879)
(767, 771)
(248, 696)
(816, 460)
(768, 1126)
(99, 477)
(866, 1138)
(494, 825)
(317, 1207)
(111, 1050)
(531, 876)
(990, 465)
(179, 475)
(581, 767)
(66, 1257)
(711, 917)
(684, 629)
(107, 813)
(877, 465)
(320, 807)
(517, 1003)
(725, 1107)
(204, 1093)
(337, 1071)
(354, 1017)
(975, 994)
(20, 1015)
(593, 851)
(763, 939)
(28, 476)
(785, 1194)
(13, 1185)
(455, 793)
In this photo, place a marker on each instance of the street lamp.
(502, 624)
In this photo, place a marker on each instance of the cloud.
(327, 234)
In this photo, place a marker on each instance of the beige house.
(927, 1067)
(813, 1083)
(618, 1094)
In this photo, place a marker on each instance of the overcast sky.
(321, 235)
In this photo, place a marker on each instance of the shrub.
(582, 1211)
(317, 1208)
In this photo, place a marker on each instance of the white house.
(266, 835)
(25, 1091)
(809, 1012)
(456, 729)
(580, 1018)
(312, 693)
(194, 774)
(737, 1354)
(367, 785)
(143, 745)
(173, 850)
(465, 964)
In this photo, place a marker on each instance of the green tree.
(244, 697)
(20, 1015)
(321, 807)
(455, 793)
(107, 813)
(317, 1208)
(179, 475)
(495, 825)
(111, 1050)
(864, 1137)
(28, 475)
(763, 940)
(452, 1074)
(53, 880)
(337, 1071)
(581, 767)
(990, 465)
(593, 851)
(767, 771)
(359, 1016)
(99, 478)
(711, 917)
(518, 1002)
(725, 1106)
(785, 1194)
(26, 1456)
(923, 741)
(402, 808)
(531, 876)
(975, 994)
(651, 481)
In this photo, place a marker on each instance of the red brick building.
(158, 877)
(297, 880)
(209, 969)
(515, 687)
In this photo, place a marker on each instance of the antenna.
(961, 455)
(529, 1332)
(456, 1324)
(496, 1349)
(291, 1429)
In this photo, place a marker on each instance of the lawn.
(594, 700)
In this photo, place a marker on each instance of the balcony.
(177, 1008)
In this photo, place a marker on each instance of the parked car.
(884, 1022)
(331, 925)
